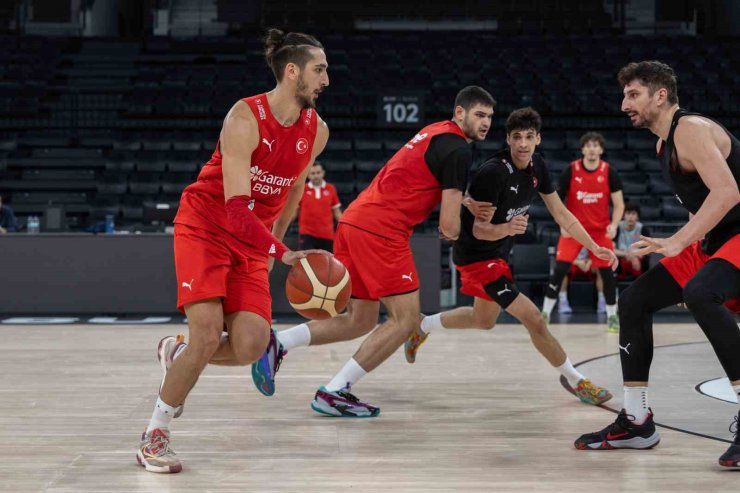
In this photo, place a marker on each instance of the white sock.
(611, 310)
(570, 373)
(431, 323)
(636, 403)
(298, 336)
(736, 388)
(601, 297)
(347, 376)
(548, 305)
(563, 296)
(162, 416)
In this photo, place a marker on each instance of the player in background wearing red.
(701, 267)
(372, 241)
(253, 182)
(510, 181)
(586, 188)
(318, 209)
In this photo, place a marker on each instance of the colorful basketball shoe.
(412, 344)
(623, 433)
(265, 368)
(342, 404)
(612, 324)
(591, 394)
(166, 352)
(731, 458)
(155, 453)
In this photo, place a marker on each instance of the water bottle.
(110, 226)
(33, 225)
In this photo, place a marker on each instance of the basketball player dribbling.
(252, 183)
(701, 268)
(372, 241)
(510, 181)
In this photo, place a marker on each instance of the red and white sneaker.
(155, 453)
(166, 351)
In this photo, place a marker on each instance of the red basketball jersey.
(404, 191)
(317, 211)
(280, 157)
(589, 194)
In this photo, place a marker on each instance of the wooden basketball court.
(479, 411)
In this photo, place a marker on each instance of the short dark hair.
(523, 119)
(472, 95)
(318, 163)
(653, 74)
(592, 136)
(282, 49)
(632, 207)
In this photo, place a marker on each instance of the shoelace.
(347, 395)
(591, 388)
(163, 442)
(735, 424)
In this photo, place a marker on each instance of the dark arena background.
(110, 108)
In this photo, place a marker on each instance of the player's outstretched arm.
(449, 213)
(568, 222)
(288, 214)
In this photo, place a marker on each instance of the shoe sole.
(732, 464)
(597, 403)
(163, 364)
(158, 469)
(319, 410)
(638, 443)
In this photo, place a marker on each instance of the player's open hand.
(665, 246)
(518, 225)
(290, 257)
(483, 211)
(606, 254)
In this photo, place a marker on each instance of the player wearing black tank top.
(701, 268)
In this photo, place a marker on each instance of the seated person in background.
(8, 223)
(582, 268)
(629, 231)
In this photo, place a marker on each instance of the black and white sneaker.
(731, 458)
(623, 433)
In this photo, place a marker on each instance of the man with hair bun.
(230, 221)
(701, 160)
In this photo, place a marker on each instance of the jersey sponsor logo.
(520, 211)
(515, 189)
(268, 184)
(261, 109)
(307, 120)
(301, 146)
(508, 166)
(268, 143)
(417, 138)
(589, 198)
(188, 285)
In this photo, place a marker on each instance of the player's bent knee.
(205, 345)
(483, 323)
(248, 352)
(628, 300)
(696, 294)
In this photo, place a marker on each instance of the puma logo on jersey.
(505, 290)
(515, 189)
(625, 347)
(268, 144)
(188, 285)
(579, 179)
(407, 276)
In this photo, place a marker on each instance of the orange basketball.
(318, 286)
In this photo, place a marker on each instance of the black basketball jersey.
(511, 191)
(690, 189)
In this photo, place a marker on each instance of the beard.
(469, 131)
(303, 95)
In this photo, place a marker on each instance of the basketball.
(318, 286)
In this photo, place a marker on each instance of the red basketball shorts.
(213, 265)
(569, 248)
(686, 264)
(377, 266)
(474, 277)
